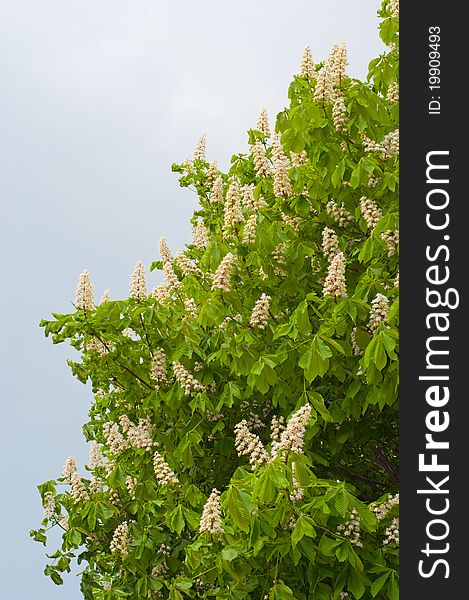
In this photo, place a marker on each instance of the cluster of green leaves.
(273, 546)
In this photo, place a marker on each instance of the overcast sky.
(97, 99)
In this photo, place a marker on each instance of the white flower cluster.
(392, 95)
(279, 252)
(292, 221)
(390, 144)
(237, 318)
(188, 167)
(297, 492)
(185, 264)
(299, 159)
(96, 485)
(261, 162)
(392, 533)
(394, 8)
(200, 235)
(212, 171)
(330, 243)
(200, 149)
(352, 528)
(120, 539)
(307, 64)
(249, 444)
(161, 293)
(165, 250)
(216, 194)
(113, 496)
(339, 114)
(128, 332)
(211, 519)
(95, 458)
(260, 313)
(173, 282)
(49, 505)
(63, 522)
(186, 380)
(337, 62)
(372, 181)
(391, 238)
(138, 435)
(334, 284)
(249, 230)
(323, 90)
(382, 510)
(138, 286)
(84, 294)
(109, 467)
(339, 213)
(77, 488)
(387, 148)
(357, 351)
(369, 144)
(282, 185)
(191, 309)
(159, 570)
(164, 549)
(254, 421)
(396, 280)
(277, 425)
(221, 279)
(233, 213)
(379, 311)
(114, 438)
(331, 74)
(371, 212)
(94, 345)
(131, 485)
(164, 474)
(106, 297)
(249, 201)
(292, 437)
(263, 123)
(158, 366)
(70, 466)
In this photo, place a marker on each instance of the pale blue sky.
(97, 99)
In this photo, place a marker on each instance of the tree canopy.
(244, 419)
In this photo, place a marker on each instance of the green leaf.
(303, 526)
(175, 594)
(240, 507)
(376, 353)
(356, 584)
(280, 591)
(317, 401)
(314, 361)
(175, 520)
(229, 554)
(342, 502)
(367, 250)
(393, 588)
(74, 537)
(379, 583)
(338, 174)
(327, 546)
(323, 349)
(265, 488)
(300, 318)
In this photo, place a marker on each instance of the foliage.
(304, 523)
